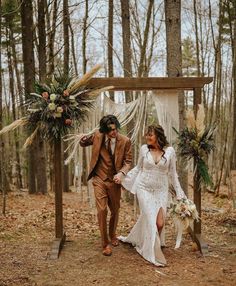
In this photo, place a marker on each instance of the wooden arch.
(131, 84)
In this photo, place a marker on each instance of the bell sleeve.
(173, 177)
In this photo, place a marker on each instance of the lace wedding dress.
(150, 182)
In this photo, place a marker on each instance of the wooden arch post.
(60, 236)
(196, 233)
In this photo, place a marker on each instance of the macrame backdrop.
(165, 112)
(166, 103)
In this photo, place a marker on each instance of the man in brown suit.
(111, 160)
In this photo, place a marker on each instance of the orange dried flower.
(68, 121)
(66, 92)
(45, 95)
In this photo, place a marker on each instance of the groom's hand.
(118, 178)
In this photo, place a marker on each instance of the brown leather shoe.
(107, 251)
(115, 242)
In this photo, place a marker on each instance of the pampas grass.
(99, 90)
(31, 138)
(17, 123)
(83, 81)
(191, 122)
(198, 122)
(200, 118)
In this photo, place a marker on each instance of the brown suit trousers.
(107, 193)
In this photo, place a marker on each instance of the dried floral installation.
(196, 141)
(55, 106)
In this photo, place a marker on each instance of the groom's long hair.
(106, 121)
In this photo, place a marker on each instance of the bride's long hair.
(160, 137)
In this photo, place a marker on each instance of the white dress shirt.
(113, 144)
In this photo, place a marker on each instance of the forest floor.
(27, 233)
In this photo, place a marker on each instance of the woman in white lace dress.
(150, 179)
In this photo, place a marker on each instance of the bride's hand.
(118, 178)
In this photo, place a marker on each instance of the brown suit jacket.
(122, 153)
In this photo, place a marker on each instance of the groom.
(111, 160)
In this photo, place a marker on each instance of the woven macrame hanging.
(167, 114)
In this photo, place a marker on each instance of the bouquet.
(183, 212)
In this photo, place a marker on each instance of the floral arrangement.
(184, 210)
(196, 141)
(54, 107)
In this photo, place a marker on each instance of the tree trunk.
(141, 67)
(66, 73)
(84, 59)
(10, 48)
(42, 40)
(125, 15)
(29, 74)
(85, 37)
(127, 65)
(233, 160)
(217, 91)
(17, 72)
(41, 155)
(2, 181)
(196, 37)
(174, 67)
(66, 37)
(110, 44)
(73, 49)
(51, 37)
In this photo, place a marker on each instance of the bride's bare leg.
(160, 221)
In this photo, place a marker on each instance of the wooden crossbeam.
(150, 83)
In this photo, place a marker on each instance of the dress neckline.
(156, 163)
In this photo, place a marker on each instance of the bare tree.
(84, 66)
(85, 26)
(29, 74)
(51, 27)
(110, 44)
(174, 65)
(127, 55)
(41, 155)
(232, 22)
(145, 40)
(197, 37)
(66, 41)
(66, 58)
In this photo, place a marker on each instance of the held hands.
(118, 178)
(83, 139)
(86, 137)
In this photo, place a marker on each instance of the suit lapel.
(100, 141)
(97, 144)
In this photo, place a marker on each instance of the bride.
(150, 179)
